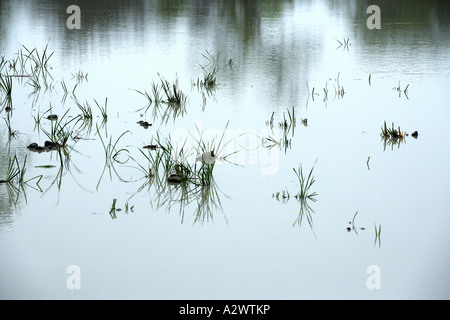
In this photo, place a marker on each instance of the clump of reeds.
(12, 133)
(80, 76)
(377, 235)
(6, 85)
(305, 184)
(111, 152)
(345, 43)
(59, 133)
(173, 94)
(230, 63)
(85, 108)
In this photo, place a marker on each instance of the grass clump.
(12, 133)
(173, 94)
(103, 109)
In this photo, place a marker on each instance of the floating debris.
(151, 146)
(52, 117)
(305, 122)
(415, 134)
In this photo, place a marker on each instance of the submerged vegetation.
(394, 136)
(175, 161)
(302, 196)
(377, 235)
(210, 70)
(305, 184)
(16, 173)
(392, 133)
(339, 91)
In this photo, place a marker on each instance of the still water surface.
(246, 243)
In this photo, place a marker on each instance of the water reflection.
(305, 212)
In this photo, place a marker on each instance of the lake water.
(235, 239)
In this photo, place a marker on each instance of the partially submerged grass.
(345, 43)
(287, 125)
(173, 95)
(59, 134)
(174, 161)
(146, 95)
(352, 223)
(282, 195)
(85, 108)
(65, 91)
(377, 235)
(305, 212)
(399, 90)
(339, 90)
(6, 85)
(172, 92)
(41, 65)
(80, 76)
(210, 70)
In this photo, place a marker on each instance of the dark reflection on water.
(283, 57)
